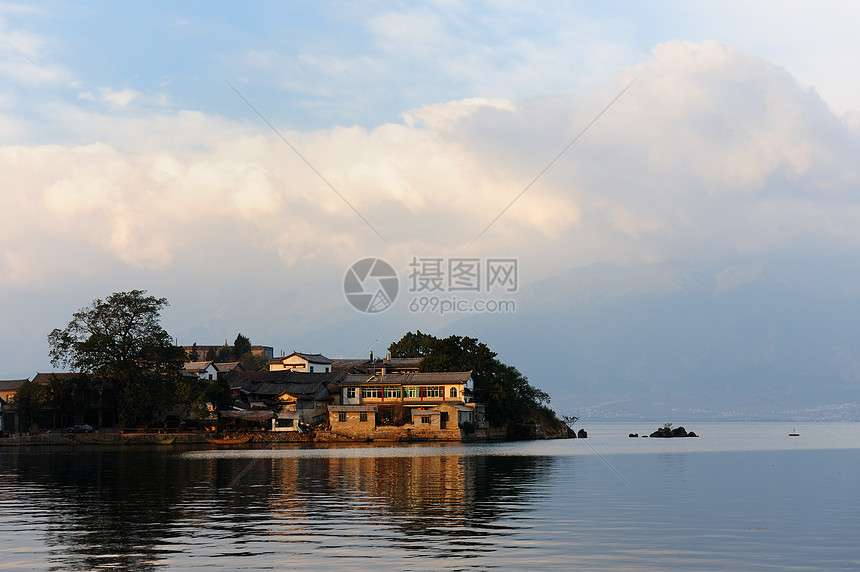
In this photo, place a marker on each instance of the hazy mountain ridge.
(758, 337)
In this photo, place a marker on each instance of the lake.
(742, 496)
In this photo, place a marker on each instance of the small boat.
(794, 434)
(234, 441)
(167, 441)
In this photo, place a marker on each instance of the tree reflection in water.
(141, 508)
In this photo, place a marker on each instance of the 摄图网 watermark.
(439, 285)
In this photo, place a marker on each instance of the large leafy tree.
(119, 340)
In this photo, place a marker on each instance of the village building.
(301, 362)
(226, 367)
(366, 399)
(377, 366)
(425, 401)
(202, 351)
(9, 387)
(202, 369)
(292, 397)
(93, 407)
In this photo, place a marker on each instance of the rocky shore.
(666, 432)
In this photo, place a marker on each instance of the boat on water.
(234, 441)
(794, 434)
(167, 441)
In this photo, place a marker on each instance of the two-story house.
(443, 392)
(301, 362)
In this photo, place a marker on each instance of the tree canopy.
(506, 392)
(120, 340)
(241, 346)
(412, 345)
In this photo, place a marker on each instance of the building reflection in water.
(138, 509)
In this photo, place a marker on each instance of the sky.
(237, 159)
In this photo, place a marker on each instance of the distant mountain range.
(759, 339)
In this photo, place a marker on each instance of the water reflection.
(545, 505)
(141, 508)
(97, 508)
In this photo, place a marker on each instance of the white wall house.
(202, 369)
(307, 363)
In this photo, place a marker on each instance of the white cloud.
(713, 152)
(24, 54)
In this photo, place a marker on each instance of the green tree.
(194, 355)
(218, 392)
(210, 354)
(30, 399)
(224, 354)
(254, 362)
(241, 346)
(68, 397)
(412, 345)
(191, 397)
(119, 340)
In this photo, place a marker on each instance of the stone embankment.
(378, 434)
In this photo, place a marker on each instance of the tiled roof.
(421, 412)
(403, 362)
(196, 365)
(347, 408)
(271, 384)
(11, 384)
(45, 378)
(226, 366)
(235, 378)
(310, 358)
(259, 415)
(342, 363)
(408, 378)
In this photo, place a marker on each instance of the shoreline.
(117, 438)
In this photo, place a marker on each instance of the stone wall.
(388, 433)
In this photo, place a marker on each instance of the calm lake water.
(740, 497)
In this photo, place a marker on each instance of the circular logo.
(371, 285)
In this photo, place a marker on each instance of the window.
(391, 392)
(350, 393)
(371, 392)
(425, 419)
(311, 368)
(362, 416)
(341, 417)
(433, 391)
(424, 392)
(453, 392)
